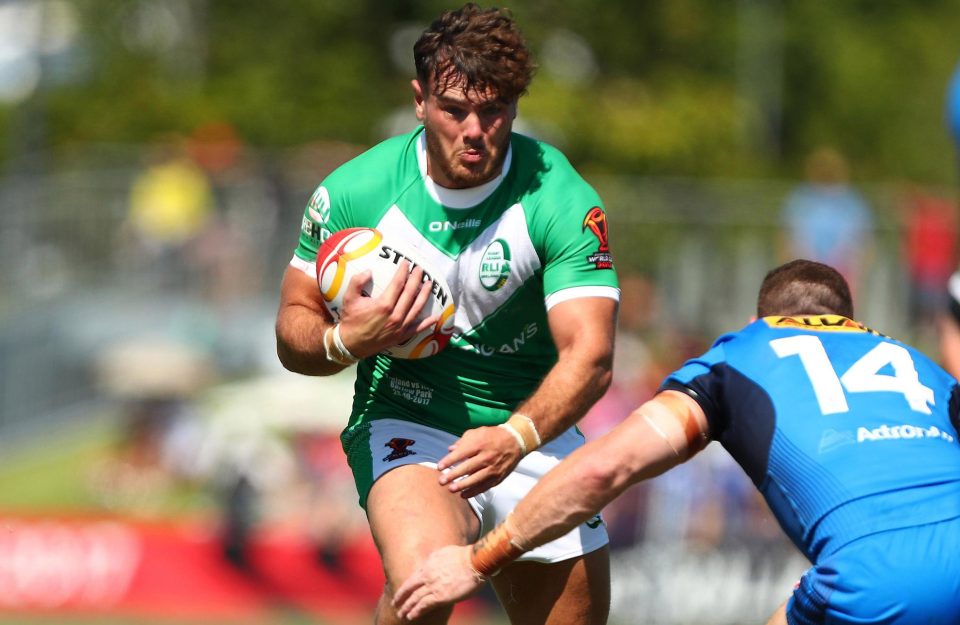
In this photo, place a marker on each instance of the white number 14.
(862, 377)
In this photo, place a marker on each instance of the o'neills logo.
(596, 221)
(495, 265)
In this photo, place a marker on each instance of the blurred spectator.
(156, 383)
(929, 226)
(276, 464)
(953, 112)
(334, 521)
(216, 147)
(233, 252)
(706, 506)
(949, 320)
(170, 205)
(826, 219)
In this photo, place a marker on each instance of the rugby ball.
(349, 252)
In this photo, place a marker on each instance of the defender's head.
(804, 287)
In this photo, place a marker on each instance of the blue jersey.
(846, 432)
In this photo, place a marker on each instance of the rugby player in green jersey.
(443, 447)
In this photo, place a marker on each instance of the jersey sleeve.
(954, 408)
(327, 211)
(355, 194)
(738, 410)
(575, 243)
(702, 379)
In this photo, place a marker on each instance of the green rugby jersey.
(508, 249)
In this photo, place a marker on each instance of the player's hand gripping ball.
(349, 252)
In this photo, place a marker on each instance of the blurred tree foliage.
(688, 87)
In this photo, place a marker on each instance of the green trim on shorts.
(356, 445)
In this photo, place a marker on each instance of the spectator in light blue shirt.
(826, 219)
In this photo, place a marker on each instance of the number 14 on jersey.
(863, 376)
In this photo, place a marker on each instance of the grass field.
(48, 474)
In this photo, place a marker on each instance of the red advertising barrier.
(179, 570)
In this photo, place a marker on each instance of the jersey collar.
(458, 198)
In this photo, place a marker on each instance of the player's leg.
(570, 592)
(780, 616)
(566, 581)
(410, 516)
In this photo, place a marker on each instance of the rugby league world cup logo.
(596, 220)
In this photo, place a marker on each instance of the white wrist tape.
(338, 341)
(516, 434)
(336, 351)
(530, 426)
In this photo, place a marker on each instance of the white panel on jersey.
(474, 286)
(395, 224)
(478, 300)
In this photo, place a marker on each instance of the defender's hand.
(369, 325)
(445, 577)
(480, 460)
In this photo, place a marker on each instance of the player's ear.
(419, 96)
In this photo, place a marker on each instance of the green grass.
(57, 473)
(49, 475)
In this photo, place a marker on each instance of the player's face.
(467, 134)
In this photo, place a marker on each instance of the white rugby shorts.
(394, 443)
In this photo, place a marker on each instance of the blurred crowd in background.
(140, 278)
(143, 296)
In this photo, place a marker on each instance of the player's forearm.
(574, 384)
(300, 344)
(570, 494)
(567, 496)
(583, 331)
(580, 486)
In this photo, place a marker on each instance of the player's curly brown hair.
(483, 47)
(804, 287)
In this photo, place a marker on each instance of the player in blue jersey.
(851, 437)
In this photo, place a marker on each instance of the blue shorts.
(908, 576)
